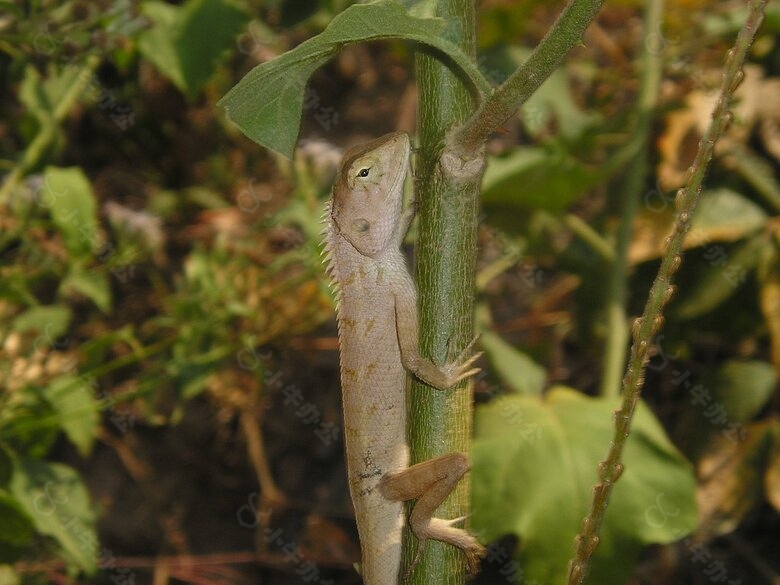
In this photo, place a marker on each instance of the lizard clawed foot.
(460, 369)
(474, 553)
(442, 530)
(470, 546)
(448, 375)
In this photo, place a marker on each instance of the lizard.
(376, 308)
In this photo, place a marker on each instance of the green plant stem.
(440, 421)
(651, 321)
(502, 104)
(630, 193)
(590, 236)
(47, 133)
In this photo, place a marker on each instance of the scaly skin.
(377, 318)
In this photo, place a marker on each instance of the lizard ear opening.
(361, 226)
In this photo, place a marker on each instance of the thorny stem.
(630, 186)
(502, 104)
(646, 327)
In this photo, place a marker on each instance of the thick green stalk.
(630, 191)
(649, 324)
(440, 421)
(565, 34)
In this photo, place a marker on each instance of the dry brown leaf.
(731, 479)
(756, 99)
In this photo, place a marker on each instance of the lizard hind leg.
(430, 482)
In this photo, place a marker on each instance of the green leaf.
(740, 388)
(72, 207)
(522, 374)
(187, 40)
(727, 216)
(54, 496)
(92, 284)
(721, 216)
(51, 320)
(744, 387)
(267, 103)
(157, 44)
(17, 527)
(77, 410)
(534, 464)
(537, 178)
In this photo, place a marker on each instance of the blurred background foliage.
(167, 341)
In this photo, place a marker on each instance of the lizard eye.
(363, 172)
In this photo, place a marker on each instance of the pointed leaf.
(92, 284)
(72, 207)
(515, 368)
(186, 40)
(727, 216)
(267, 103)
(54, 496)
(77, 410)
(534, 464)
(721, 401)
(51, 320)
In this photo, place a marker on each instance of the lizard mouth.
(397, 185)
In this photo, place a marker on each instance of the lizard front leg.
(430, 482)
(440, 377)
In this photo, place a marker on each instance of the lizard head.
(368, 193)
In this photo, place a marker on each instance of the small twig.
(651, 321)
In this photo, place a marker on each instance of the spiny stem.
(651, 321)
